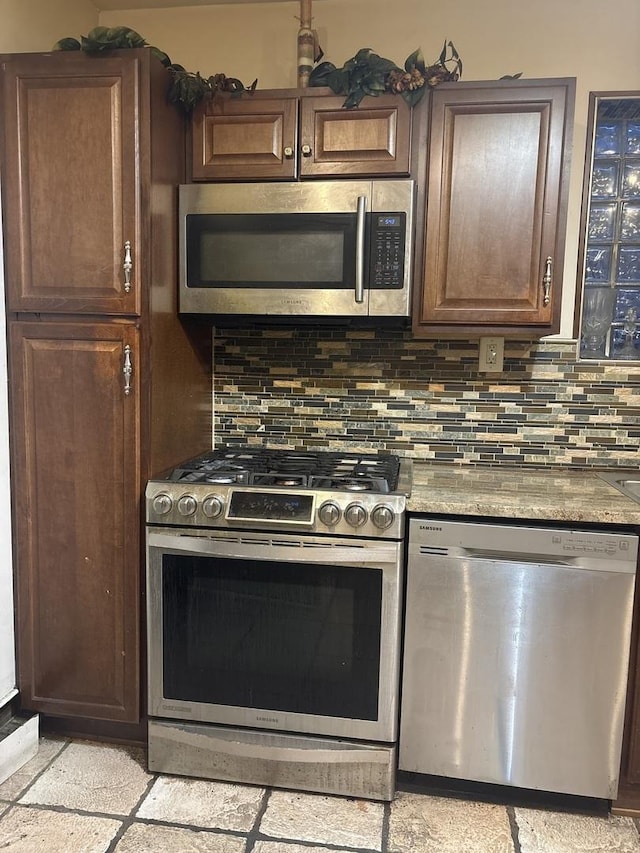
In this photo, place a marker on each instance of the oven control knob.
(382, 516)
(162, 504)
(329, 513)
(212, 506)
(355, 515)
(187, 505)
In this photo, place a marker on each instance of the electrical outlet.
(491, 355)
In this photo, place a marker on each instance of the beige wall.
(596, 42)
(36, 25)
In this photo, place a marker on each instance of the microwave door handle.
(361, 219)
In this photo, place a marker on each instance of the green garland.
(187, 88)
(366, 73)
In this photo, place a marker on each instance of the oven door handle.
(276, 550)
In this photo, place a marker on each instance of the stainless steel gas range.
(274, 587)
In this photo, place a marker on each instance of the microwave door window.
(301, 251)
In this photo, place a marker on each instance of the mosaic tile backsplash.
(372, 390)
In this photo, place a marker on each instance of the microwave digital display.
(387, 221)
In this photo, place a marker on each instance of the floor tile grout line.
(386, 820)
(252, 835)
(169, 824)
(130, 819)
(143, 796)
(61, 809)
(515, 829)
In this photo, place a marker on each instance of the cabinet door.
(76, 514)
(373, 139)
(496, 205)
(245, 138)
(69, 182)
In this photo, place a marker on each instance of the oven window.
(283, 637)
(271, 250)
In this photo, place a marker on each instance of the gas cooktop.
(351, 472)
(318, 491)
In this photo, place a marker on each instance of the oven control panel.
(336, 513)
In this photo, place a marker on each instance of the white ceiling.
(116, 5)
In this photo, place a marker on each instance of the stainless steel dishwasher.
(516, 655)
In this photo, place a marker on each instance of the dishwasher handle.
(593, 562)
(517, 557)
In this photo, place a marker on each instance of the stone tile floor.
(83, 797)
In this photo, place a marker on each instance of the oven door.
(275, 631)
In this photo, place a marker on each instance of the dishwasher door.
(516, 655)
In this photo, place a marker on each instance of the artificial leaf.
(413, 96)
(67, 44)
(414, 60)
(161, 55)
(98, 34)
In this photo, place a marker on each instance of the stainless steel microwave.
(323, 249)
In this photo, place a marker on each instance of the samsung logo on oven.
(267, 719)
(182, 708)
(430, 527)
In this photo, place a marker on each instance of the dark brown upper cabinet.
(291, 134)
(490, 249)
(70, 184)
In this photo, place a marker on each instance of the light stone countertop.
(502, 492)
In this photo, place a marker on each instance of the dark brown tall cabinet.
(106, 385)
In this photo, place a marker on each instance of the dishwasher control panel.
(429, 536)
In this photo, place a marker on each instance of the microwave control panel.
(386, 258)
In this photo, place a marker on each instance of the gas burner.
(206, 470)
(356, 485)
(278, 479)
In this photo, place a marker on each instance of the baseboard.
(18, 741)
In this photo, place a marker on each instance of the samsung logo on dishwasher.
(429, 527)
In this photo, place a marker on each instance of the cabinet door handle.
(127, 369)
(360, 237)
(288, 152)
(127, 266)
(306, 150)
(546, 281)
